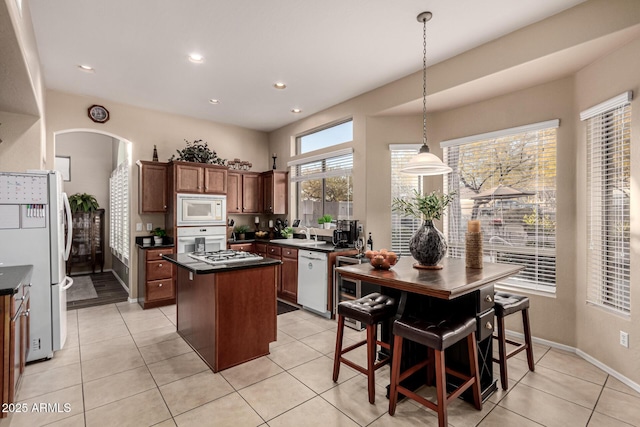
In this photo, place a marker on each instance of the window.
(507, 181)
(324, 186)
(119, 212)
(402, 186)
(608, 210)
(327, 137)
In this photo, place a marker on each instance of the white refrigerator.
(33, 209)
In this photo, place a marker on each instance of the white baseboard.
(635, 386)
(132, 300)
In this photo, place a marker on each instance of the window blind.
(329, 165)
(608, 214)
(507, 181)
(402, 186)
(119, 212)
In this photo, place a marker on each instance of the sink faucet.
(307, 233)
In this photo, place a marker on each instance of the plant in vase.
(287, 232)
(198, 152)
(158, 235)
(241, 230)
(325, 221)
(427, 245)
(83, 202)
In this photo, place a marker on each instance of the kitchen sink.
(301, 242)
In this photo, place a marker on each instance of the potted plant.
(83, 203)
(287, 232)
(325, 221)
(427, 245)
(198, 152)
(240, 230)
(158, 235)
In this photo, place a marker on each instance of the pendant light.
(425, 163)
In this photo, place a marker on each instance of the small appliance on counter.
(346, 233)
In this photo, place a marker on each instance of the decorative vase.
(428, 246)
(326, 225)
(157, 240)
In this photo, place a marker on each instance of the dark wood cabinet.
(289, 286)
(228, 317)
(244, 192)
(14, 338)
(275, 186)
(287, 280)
(199, 178)
(245, 247)
(152, 191)
(87, 244)
(156, 278)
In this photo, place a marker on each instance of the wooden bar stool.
(506, 304)
(370, 310)
(437, 335)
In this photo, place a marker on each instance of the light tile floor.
(123, 366)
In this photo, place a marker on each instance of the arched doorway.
(100, 164)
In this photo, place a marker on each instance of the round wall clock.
(98, 113)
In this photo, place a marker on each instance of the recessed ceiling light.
(279, 85)
(196, 58)
(86, 68)
(296, 110)
(214, 101)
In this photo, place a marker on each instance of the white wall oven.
(200, 239)
(200, 209)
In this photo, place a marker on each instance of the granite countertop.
(167, 243)
(11, 278)
(198, 267)
(327, 247)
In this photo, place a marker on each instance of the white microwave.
(200, 209)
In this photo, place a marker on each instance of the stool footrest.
(362, 369)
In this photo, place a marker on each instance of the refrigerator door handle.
(69, 283)
(67, 208)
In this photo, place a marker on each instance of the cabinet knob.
(26, 313)
(160, 285)
(488, 298)
(159, 254)
(164, 207)
(488, 325)
(159, 265)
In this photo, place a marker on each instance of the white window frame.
(402, 186)
(333, 164)
(608, 138)
(539, 274)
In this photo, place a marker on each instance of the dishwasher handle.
(313, 258)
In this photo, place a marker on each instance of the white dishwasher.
(312, 281)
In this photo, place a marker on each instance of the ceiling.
(325, 51)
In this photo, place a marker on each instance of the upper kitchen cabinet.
(244, 193)
(275, 187)
(152, 196)
(199, 178)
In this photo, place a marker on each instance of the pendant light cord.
(424, 82)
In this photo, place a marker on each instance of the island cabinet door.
(246, 315)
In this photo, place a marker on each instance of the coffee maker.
(346, 233)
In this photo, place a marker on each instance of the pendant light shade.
(425, 163)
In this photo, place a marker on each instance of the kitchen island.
(226, 312)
